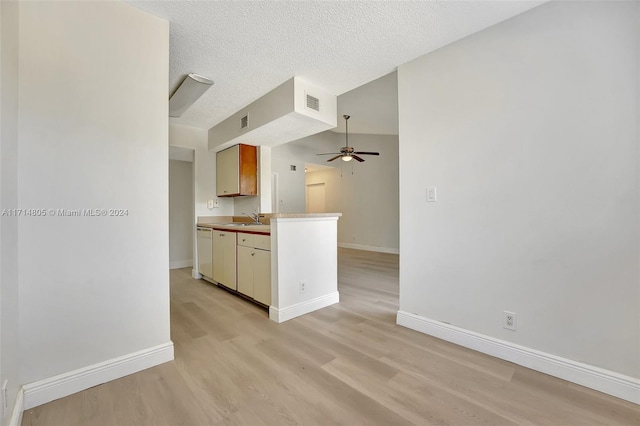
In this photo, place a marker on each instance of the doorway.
(316, 200)
(181, 207)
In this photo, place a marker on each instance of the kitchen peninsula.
(303, 260)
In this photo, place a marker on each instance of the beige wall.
(93, 123)
(365, 193)
(529, 131)
(204, 163)
(9, 289)
(181, 214)
(368, 198)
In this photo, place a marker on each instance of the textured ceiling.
(250, 47)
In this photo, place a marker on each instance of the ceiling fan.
(348, 153)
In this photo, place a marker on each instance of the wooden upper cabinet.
(237, 171)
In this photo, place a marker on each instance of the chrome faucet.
(255, 217)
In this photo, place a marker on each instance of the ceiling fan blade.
(355, 157)
(330, 153)
(331, 159)
(366, 153)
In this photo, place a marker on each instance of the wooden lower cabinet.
(254, 268)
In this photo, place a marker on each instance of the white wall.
(366, 194)
(291, 186)
(204, 164)
(9, 290)
(181, 239)
(368, 198)
(92, 135)
(294, 261)
(277, 117)
(529, 130)
(205, 169)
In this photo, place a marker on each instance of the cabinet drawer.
(262, 242)
(246, 239)
(204, 233)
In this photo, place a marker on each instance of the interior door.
(316, 202)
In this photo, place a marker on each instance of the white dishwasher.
(205, 252)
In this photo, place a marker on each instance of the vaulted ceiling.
(250, 47)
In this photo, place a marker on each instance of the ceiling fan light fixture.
(348, 153)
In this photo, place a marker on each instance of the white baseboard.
(43, 391)
(609, 382)
(195, 274)
(18, 409)
(289, 312)
(181, 264)
(370, 248)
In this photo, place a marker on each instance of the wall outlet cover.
(432, 195)
(510, 321)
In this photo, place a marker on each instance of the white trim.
(370, 248)
(181, 264)
(18, 409)
(609, 382)
(289, 312)
(46, 390)
(195, 274)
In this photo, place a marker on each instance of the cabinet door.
(262, 276)
(245, 270)
(248, 170)
(228, 171)
(230, 260)
(224, 258)
(218, 256)
(205, 256)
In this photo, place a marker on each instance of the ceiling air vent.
(313, 103)
(244, 122)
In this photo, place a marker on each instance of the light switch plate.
(432, 195)
(210, 204)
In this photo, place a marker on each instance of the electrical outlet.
(510, 321)
(302, 287)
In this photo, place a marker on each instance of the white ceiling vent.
(313, 102)
(244, 121)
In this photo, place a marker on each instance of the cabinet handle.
(243, 240)
(252, 254)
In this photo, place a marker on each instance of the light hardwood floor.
(346, 364)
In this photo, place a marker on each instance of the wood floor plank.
(347, 364)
